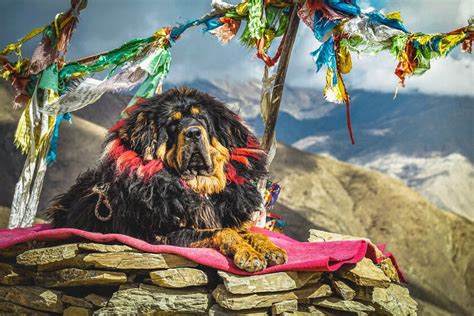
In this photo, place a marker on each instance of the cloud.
(107, 24)
(446, 76)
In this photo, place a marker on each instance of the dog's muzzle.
(196, 158)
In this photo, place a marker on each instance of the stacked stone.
(88, 278)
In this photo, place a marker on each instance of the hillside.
(433, 247)
(422, 139)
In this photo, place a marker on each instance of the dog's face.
(191, 133)
(193, 151)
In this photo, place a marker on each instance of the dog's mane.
(148, 197)
(247, 159)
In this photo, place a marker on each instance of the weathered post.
(270, 111)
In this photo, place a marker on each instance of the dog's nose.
(193, 133)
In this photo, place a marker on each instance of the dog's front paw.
(249, 260)
(275, 255)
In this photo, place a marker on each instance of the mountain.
(424, 140)
(434, 248)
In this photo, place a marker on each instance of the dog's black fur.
(161, 207)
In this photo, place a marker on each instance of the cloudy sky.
(106, 24)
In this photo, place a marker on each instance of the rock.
(394, 300)
(76, 301)
(12, 275)
(310, 310)
(14, 251)
(342, 305)
(97, 300)
(94, 247)
(148, 298)
(343, 289)
(135, 260)
(320, 236)
(179, 277)
(77, 311)
(272, 282)
(8, 308)
(284, 306)
(47, 255)
(76, 277)
(239, 301)
(389, 269)
(217, 310)
(365, 273)
(75, 262)
(33, 297)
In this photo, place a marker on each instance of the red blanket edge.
(302, 256)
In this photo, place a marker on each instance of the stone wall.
(81, 278)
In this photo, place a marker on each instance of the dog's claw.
(250, 260)
(275, 255)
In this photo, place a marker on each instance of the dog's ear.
(231, 131)
(146, 137)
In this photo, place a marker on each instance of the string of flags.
(49, 88)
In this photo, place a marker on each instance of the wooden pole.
(277, 92)
(270, 116)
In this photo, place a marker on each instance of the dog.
(180, 170)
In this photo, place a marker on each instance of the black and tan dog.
(180, 170)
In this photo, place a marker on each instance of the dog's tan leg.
(230, 243)
(260, 242)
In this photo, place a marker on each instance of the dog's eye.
(176, 116)
(195, 110)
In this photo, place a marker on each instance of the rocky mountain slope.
(433, 247)
(424, 140)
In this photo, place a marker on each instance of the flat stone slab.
(33, 297)
(310, 310)
(394, 300)
(389, 269)
(76, 301)
(97, 300)
(77, 311)
(14, 251)
(149, 299)
(320, 236)
(76, 277)
(365, 273)
(343, 289)
(284, 306)
(232, 301)
(9, 308)
(342, 305)
(94, 247)
(13, 275)
(179, 277)
(47, 255)
(136, 261)
(217, 310)
(272, 282)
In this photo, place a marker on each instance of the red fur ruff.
(232, 176)
(128, 160)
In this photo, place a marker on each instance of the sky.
(107, 24)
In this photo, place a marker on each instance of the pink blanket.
(302, 256)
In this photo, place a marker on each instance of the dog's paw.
(249, 260)
(275, 255)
